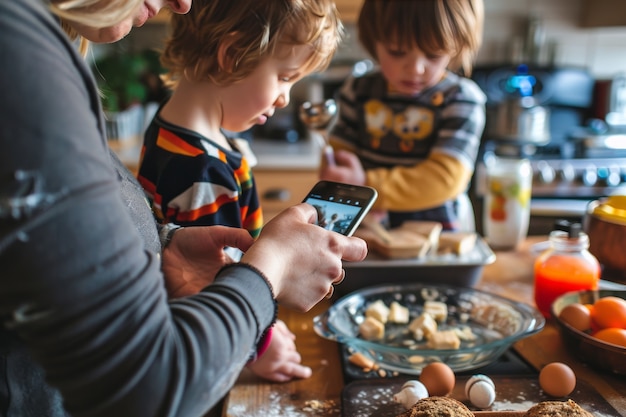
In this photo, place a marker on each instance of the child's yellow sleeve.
(422, 186)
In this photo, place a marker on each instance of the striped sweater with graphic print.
(418, 151)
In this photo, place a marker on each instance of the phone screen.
(340, 207)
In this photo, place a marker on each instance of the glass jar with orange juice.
(566, 266)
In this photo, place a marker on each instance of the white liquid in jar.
(506, 212)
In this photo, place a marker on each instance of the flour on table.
(274, 408)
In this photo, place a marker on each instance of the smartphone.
(340, 207)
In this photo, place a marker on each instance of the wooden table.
(510, 276)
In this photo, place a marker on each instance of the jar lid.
(612, 209)
(572, 229)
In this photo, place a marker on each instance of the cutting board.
(514, 395)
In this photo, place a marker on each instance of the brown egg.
(577, 316)
(438, 378)
(557, 379)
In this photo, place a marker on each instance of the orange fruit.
(612, 335)
(594, 325)
(609, 311)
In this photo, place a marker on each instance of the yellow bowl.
(605, 223)
(612, 209)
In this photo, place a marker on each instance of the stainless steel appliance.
(520, 117)
(580, 161)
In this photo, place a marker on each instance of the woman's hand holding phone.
(299, 282)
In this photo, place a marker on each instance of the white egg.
(480, 390)
(411, 392)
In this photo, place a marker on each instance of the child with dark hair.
(412, 128)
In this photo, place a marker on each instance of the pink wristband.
(264, 343)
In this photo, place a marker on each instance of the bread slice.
(429, 229)
(458, 243)
(401, 244)
(414, 239)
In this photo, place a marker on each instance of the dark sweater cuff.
(266, 337)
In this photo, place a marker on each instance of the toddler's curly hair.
(256, 29)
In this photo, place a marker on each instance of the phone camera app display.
(340, 207)
(336, 214)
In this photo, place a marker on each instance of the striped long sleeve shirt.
(191, 180)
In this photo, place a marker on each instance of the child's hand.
(347, 169)
(281, 361)
(195, 255)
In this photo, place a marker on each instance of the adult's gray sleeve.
(79, 287)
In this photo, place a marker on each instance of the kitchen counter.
(510, 275)
(278, 154)
(284, 172)
(270, 153)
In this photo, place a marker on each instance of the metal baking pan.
(460, 270)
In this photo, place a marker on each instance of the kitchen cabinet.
(282, 188)
(349, 9)
(603, 13)
(128, 151)
(284, 172)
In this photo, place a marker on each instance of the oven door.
(544, 212)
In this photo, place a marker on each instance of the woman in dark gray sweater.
(97, 318)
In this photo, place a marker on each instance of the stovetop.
(566, 169)
(585, 146)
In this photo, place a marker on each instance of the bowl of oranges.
(593, 326)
